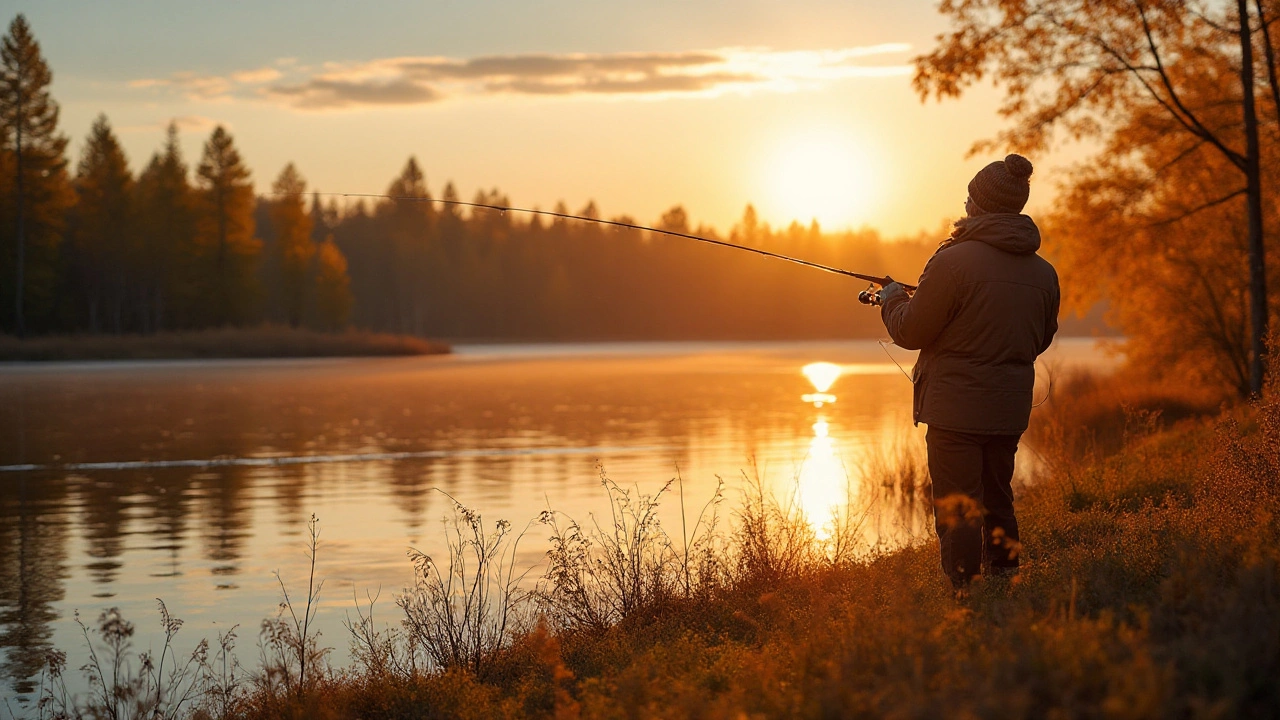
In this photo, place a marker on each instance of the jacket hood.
(1011, 233)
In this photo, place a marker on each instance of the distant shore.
(264, 341)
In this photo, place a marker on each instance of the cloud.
(210, 87)
(193, 85)
(408, 81)
(555, 66)
(254, 77)
(328, 94)
(194, 123)
(620, 86)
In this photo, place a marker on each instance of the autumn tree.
(225, 231)
(32, 173)
(1089, 69)
(166, 233)
(1185, 301)
(292, 248)
(101, 248)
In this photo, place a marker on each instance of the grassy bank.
(264, 341)
(1150, 588)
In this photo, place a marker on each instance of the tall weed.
(463, 612)
(156, 688)
(292, 659)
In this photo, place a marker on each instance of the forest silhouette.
(176, 248)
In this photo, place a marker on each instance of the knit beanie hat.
(1002, 186)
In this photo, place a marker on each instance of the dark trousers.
(973, 501)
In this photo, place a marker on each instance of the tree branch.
(1198, 208)
(1225, 29)
(1236, 158)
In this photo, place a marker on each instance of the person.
(985, 307)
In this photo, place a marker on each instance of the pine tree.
(35, 186)
(101, 251)
(225, 231)
(324, 218)
(406, 227)
(293, 246)
(333, 288)
(166, 223)
(747, 231)
(452, 228)
(675, 220)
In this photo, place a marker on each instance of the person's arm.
(913, 322)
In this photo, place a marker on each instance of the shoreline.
(1067, 348)
(264, 342)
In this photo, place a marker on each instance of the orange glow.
(824, 175)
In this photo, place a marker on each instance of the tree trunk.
(1258, 319)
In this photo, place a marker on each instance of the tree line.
(99, 249)
(1169, 223)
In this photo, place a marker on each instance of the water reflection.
(33, 540)
(823, 375)
(824, 484)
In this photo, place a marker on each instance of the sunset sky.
(803, 108)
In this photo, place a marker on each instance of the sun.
(823, 175)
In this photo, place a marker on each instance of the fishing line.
(1048, 392)
(614, 223)
(884, 345)
(1048, 372)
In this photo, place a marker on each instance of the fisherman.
(985, 308)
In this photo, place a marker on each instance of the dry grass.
(1088, 415)
(1150, 588)
(264, 341)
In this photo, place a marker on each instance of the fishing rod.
(866, 297)
(862, 297)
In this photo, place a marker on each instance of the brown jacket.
(986, 306)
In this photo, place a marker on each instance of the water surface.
(124, 482)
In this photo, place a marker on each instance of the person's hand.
(893, 290)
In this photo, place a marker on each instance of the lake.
(193, 482)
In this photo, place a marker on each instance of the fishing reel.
(870, 296)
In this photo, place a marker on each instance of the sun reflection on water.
(824, 486)
(823, 375)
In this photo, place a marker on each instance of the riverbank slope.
(1150, 588)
